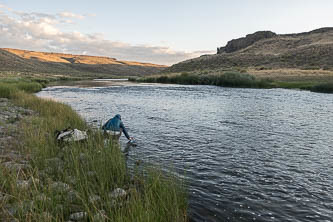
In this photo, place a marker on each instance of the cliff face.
(241, 43)
(267, 50)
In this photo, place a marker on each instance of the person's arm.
(124, 130)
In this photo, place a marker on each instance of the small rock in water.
(78, 216)
(117, 193)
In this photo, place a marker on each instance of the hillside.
(23, 62)
(267, 50)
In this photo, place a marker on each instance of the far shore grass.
(230, 78)
(80, 177)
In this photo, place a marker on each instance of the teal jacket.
(115, 124)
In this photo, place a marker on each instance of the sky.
(155, 31)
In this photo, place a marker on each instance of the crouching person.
(114, 127)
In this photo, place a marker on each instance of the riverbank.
(242, 80)
(77, 181)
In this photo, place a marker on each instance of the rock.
(42, 198)
(54, 162)
(242, 43)
(94, 198)
(3, 100)
(73, 196)
(16, 167)
(83, 157)
(33, 181)
(22, 184)
(79, 216)
(60, 187)
(118, 193)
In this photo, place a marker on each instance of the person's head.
(118, 116)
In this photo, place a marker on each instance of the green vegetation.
(237, 79)
(80, 177)
(323, 88)
(9, 87)
(227, 79)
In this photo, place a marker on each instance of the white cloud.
(5, 7)
(71, 15)
(42, 32)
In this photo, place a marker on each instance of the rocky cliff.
(267, 50)
(241, 43)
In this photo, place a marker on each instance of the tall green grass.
(91, 170)
(227, 79)
(8, 88)
(323, 88)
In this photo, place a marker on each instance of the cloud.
(71, 15)
(42, 32)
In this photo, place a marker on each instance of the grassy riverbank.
(236, 79)
(227, 79)
(80, 177)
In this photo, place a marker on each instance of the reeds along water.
(324, 88)
(80, 177)
(228, 79)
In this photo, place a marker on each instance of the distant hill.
(266, 50)
(68, 65)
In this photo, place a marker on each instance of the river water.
(246, 154)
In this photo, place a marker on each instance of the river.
(246, 154)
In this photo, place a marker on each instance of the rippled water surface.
(247, 154)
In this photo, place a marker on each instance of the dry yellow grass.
(69, 58)
(293, 74)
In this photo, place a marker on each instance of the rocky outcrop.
(268, 51)
(241, 43)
